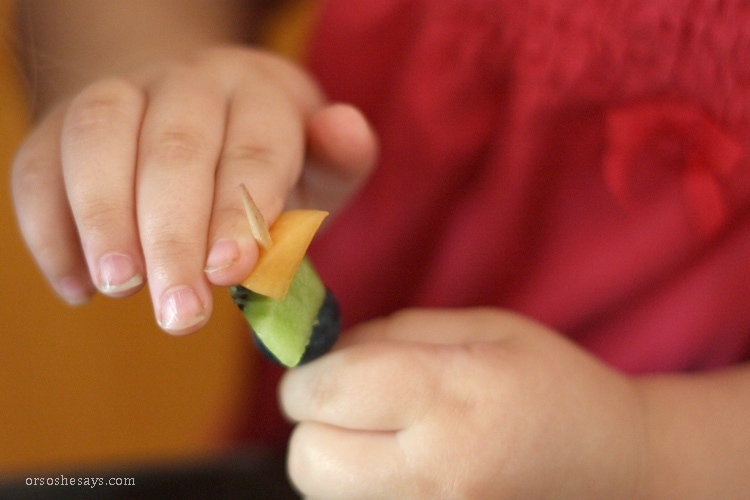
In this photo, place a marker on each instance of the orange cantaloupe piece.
(277, 264)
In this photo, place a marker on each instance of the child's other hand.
(461, 404)
(138, 178)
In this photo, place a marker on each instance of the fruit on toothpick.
(293, 316)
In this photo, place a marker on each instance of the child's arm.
(487, 404)
(132, 175)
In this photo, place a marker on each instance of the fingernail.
(118, 274)
(223, 254)
(181, 308)
(73, 291)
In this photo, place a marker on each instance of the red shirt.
(581, 162)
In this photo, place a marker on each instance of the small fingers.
(179, 148)
(343, 150)
(263, 149)
(141, 180)
(43, 213)
(379, 386)
(339, 134)
(98, 150)
(330, 462)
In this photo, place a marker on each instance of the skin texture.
(135, 178)
(484, 403)
(521, 413)
(131, 177)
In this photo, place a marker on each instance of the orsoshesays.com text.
(91, 482)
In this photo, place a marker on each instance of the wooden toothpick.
(258, 225)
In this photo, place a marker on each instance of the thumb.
(342, 151)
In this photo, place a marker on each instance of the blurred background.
(101, 384)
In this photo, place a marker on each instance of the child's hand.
(139, 177)
(461, 404)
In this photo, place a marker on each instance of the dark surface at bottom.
(249, 474)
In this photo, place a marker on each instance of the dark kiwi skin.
(325, 330)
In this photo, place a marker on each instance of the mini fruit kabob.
(293, 316)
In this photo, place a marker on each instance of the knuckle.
(170, 250)
(177, 147)
(52, 257)
(98, 217)
(229, 219)
(251, 154)
(36, 164)
(260, 158)
(30, 173)
(102, 106)
(229, 212)
(427, 388)
(171, 245)
(322, 390)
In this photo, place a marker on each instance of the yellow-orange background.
(101, 384)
